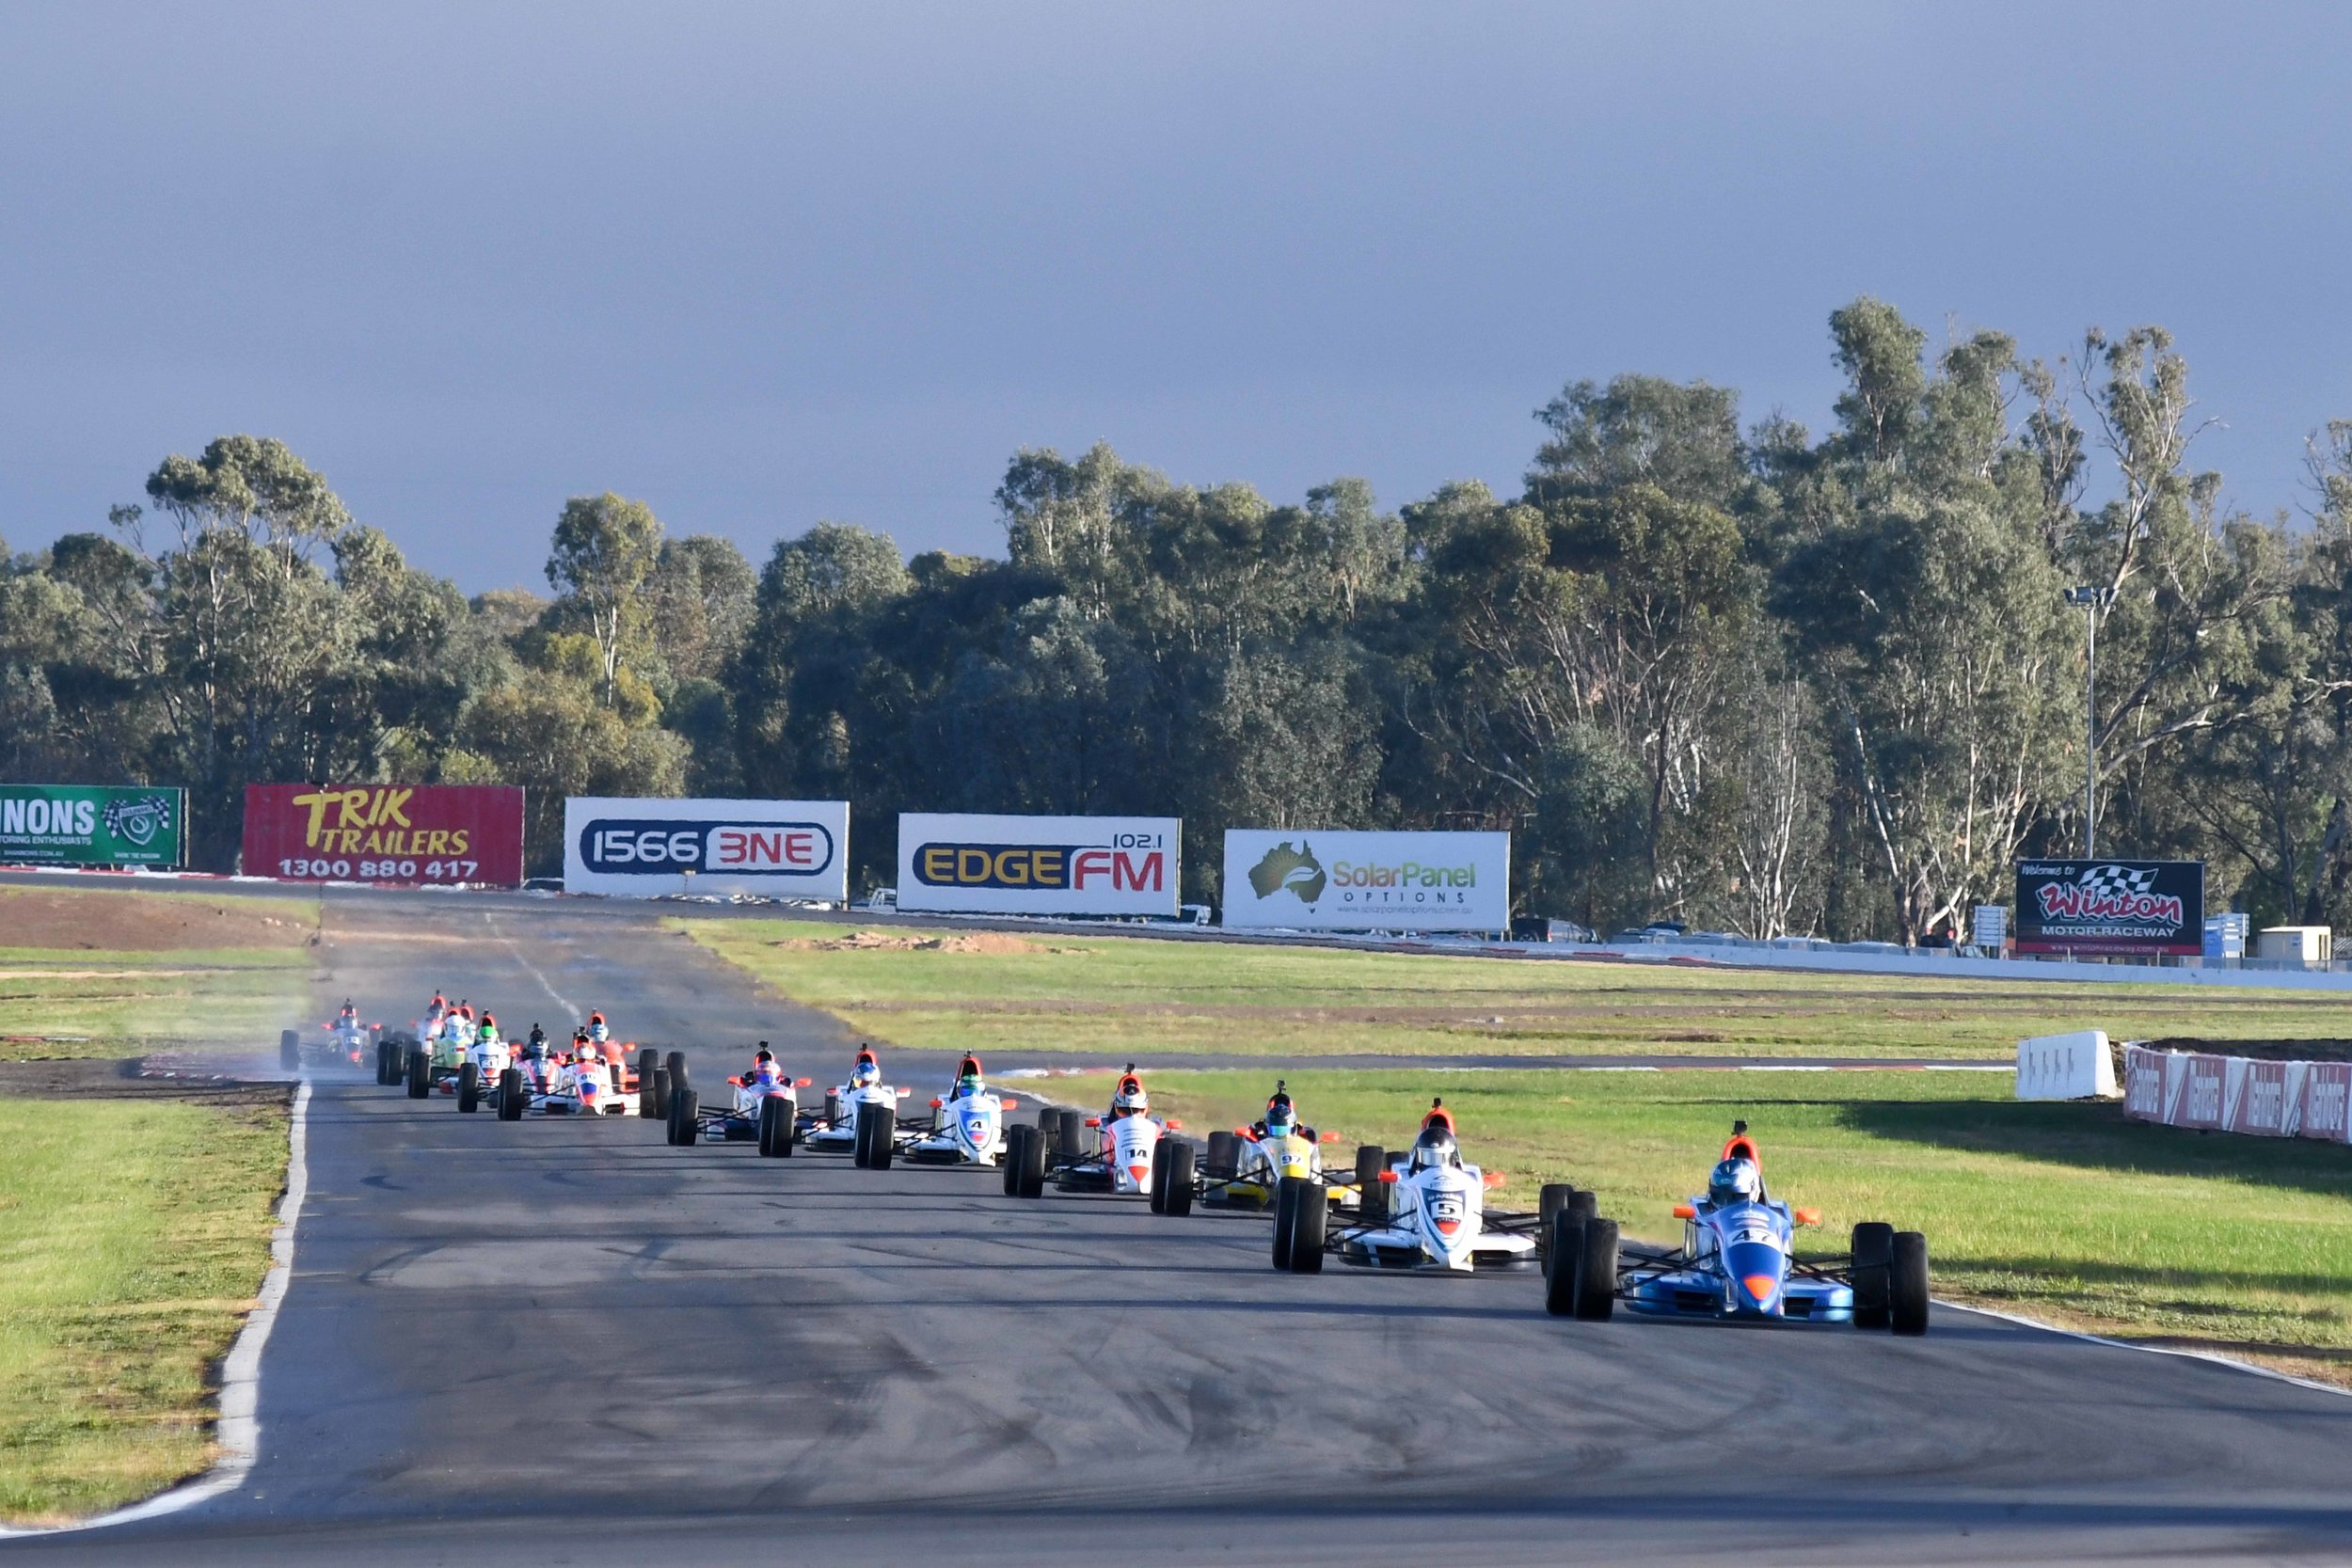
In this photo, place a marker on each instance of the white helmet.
(1129, 1099)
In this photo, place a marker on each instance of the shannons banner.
(1367, 881)
(92, 825)
(422, 835)
(2107, 906)
(953, 863)
(762, 849)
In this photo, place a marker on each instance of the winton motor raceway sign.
(761, 848)
(92, 825)
(425, 834)
(1360, 881)
(960, 863)
(2100, 906)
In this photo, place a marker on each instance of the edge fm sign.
(952, 862)
(766, 849)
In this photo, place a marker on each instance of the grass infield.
(134, 1234)
(1123, 996)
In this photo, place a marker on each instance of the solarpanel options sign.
(763, 849)
(1352, 881)
(960, 863)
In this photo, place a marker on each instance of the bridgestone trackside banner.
(425, 836)
(2106, 906)
(1360, 882)
(641, 849)
(960, 863)
(92, 825)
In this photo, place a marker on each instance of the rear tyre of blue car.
(1564, 1244)
(1596, 1272)
(1873, 1259)
(1907, 1283)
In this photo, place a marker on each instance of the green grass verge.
(132, 1235)
(114, 1004)
(1126, 996)
(2066, 1212)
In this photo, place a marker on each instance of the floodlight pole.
(2091, 599)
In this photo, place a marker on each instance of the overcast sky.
(761, 265)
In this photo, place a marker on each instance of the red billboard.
(420, 835)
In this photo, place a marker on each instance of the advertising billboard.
(92, 825)
(1367, 881)
(638, 848)
(2104, 906)
(422, 834)
(960, 863)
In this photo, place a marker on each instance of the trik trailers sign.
(1367, 881)
(2106, 906)
(962, 864)
(763, 849)
(92, 825)
(425, 836)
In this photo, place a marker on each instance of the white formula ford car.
(566, 1086)
(1433, 1215)
(1126, 1151)
(860, 1118)
(967, 1124)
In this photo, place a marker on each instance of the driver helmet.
(348, 1009)
(489, 1022)
(1282, 1117)
(763, 1056)
(1130, 1101)
(866, 1073)
(588, 1052)
(968, 1076)
(466, 1012)
(538, 1050)
(1435, 1146)
(538, 1036)
(1735, 1181)
(764, 1074)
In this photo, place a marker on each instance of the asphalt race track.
(557, 1342)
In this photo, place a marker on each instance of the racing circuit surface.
(562, 1342)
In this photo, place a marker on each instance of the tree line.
(1744, 677)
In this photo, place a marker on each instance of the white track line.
(2213, 1357)
(561, 1001)
(239, 1428)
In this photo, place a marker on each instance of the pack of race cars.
(1422, 1209)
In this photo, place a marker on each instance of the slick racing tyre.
(689, 1125)
(775, 1127)
(1873, 1257)
(1176, 1188)
(882, 1142)
(1032, 1166)
(1049, 1130)
(1372, 1193)
(1311, 1211)
(1016, 1140)
(1596, 1272)
(1907, 1284)
(653, 1096)
(1286, 1197)
(420, 1074)
(469, 1087)
(1224, 1153)
(648, 1060)
(1563, 1245)
(290, 1050)
(1072, 1144)
(387, 1056)
(669, 1120)
(1156, 1197)
(833, 1109)
(675, 1062)
(512, 1096)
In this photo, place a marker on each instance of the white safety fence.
(2237, 1094)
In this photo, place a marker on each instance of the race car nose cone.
(1449, 1227)
(1760, 1286)
(1141, 1173)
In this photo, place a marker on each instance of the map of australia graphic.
(1285, 867)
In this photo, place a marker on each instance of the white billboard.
(766, 848)
(956, 862)
(1357, 882)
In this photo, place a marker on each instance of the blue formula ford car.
(1738, 1263)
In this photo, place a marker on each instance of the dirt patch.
(132, 1078)
(885, 942)
(2261, 1050)
(102, 920)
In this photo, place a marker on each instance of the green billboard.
(92, 825)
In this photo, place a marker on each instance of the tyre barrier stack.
(2238, 1094)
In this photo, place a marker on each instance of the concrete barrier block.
(2066, 1066)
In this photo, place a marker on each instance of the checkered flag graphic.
(2115, 881)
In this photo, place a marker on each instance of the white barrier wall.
(2066, 1066)
(2237, 1094)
